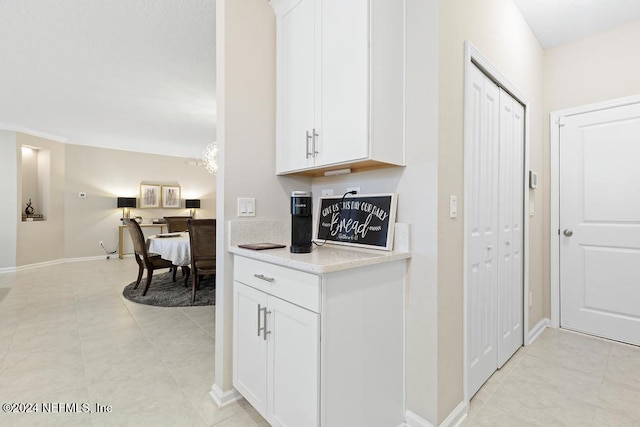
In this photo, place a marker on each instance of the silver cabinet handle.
(263, 277)
(315, 136)
(568, 232)
(260, 328)
(264, 320)
(309, 138)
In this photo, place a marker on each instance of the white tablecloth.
(174, 249)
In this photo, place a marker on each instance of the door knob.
(568, 232)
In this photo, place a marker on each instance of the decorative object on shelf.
(192, 204)
(29, 209)
(126, 203)
(210, 157)
(364, 220)
(138, 219)
(170, 196)
(150, 195)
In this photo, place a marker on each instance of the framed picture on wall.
(170, 196)
(150, 195)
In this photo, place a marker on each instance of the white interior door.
(495, 200)
(600, 223)
(510, 237)
(482, 224)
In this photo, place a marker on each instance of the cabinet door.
(297, 86)
(343, 124)
(294, 364)
(249, 346)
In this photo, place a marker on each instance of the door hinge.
(558, 231)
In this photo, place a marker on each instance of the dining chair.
(177, 224)
(150, 262)
(202, 241)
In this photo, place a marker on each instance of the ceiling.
(139, 75)
(135, 75)
(555, 22)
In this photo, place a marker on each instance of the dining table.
(173, 247)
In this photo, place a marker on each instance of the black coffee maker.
(301, 222)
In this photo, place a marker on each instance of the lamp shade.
(192, 203)
(126, 202)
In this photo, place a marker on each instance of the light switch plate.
(453, 206)
(246, 206)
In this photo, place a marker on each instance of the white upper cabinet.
(340, 84)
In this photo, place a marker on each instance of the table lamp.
(126, 203)
(192, 204)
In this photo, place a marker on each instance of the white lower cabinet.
(320, 349)
(277, 357)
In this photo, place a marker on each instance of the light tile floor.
(68, 336)
(562, 379)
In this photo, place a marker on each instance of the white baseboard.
(535, 332)
(223, 398)
(54, 262)
(31, 266)
(454, 419)
(413, 420)
(456, 416)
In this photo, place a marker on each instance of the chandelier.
(210, 157)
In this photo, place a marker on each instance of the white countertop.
(323, 259)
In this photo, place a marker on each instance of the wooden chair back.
(176, 224)
(137, 237)
(202, 239)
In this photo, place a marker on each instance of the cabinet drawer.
(295, 286)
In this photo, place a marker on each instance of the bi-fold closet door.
(495, 200)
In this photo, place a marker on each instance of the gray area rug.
(164, 292)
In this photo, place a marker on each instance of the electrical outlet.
(82, 195)
(100, 243)
(356, 189)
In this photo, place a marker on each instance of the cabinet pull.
(259, 327)
(263, 277)
(315, 136)
(264, 320)
(309, 138)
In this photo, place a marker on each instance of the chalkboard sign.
(366, 220)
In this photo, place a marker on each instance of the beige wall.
(417, 188)
(601, 67)
(106, 174)
(245, 70)
(42, 241)
(498, 30)
(74, 226)
(9, 208)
